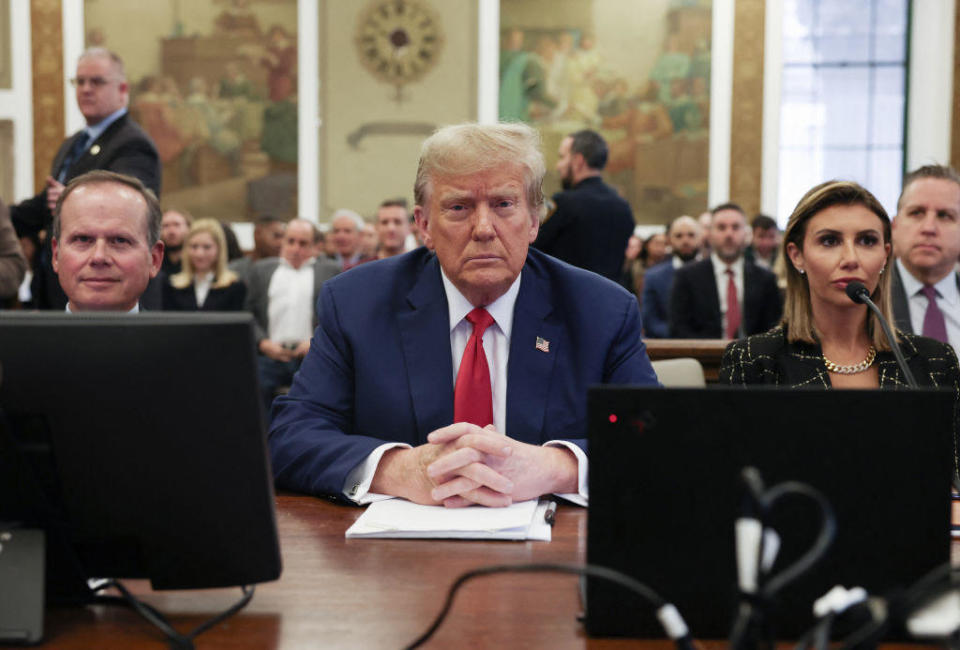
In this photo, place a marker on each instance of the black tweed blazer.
(769, 358)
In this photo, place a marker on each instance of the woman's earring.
(881, 271)
(801, 271)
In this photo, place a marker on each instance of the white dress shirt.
(290, 303)
(496, 347)
(948, 300)
(720, 273)
(201, 287)
(134, 310)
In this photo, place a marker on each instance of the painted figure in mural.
(582, 68)
(279, 137)
(237, 20)
(645, 121)
(522, 80)
(215, 119)
(157, 118)
(234, 83)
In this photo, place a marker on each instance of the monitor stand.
(21, 585)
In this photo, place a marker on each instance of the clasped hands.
(463, 464)
(279, 352)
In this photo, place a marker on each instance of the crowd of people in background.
(78, 245)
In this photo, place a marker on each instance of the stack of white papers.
(402, 519)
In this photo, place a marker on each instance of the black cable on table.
(617, 577)
(177, 640)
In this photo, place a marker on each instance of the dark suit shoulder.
(228, 298)
(382, 283)
(700, 267)
(659, 270)
(326, 268)
(938, 359)
(574, 282)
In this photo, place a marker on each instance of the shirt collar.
(501, 309)
(720, 267)
(135, 310)
(946, 288)
(309, 263)
(96, 130)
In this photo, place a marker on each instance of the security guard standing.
(590, 223)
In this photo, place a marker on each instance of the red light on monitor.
(613, 418)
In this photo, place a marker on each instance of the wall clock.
(398, 41)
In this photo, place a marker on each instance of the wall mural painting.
(638, 73)
(216, 89)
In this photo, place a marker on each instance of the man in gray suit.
(926, 242)
(282, 295)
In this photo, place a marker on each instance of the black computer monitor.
(137, 443)
(663, 504)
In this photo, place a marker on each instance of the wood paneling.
(746, 128)
(46, 34)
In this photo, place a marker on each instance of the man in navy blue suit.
(457, 373)
(684, 237)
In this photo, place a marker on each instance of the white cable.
(837, 600)
(672, 622)
(747, 532)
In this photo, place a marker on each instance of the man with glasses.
(110, 140)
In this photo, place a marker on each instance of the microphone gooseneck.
(858, 293)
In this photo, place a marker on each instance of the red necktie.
(733, 307)
(472, 395)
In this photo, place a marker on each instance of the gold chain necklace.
(852, 369)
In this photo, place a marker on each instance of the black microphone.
(858, 293)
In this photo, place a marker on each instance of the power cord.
(670, 619)
(938, 582)
(177, 640)
(758, 588)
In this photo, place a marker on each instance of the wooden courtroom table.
(338, 593)
(707, 351)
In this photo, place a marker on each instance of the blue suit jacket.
(655, 303)
(380, 368)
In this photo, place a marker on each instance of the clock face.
(398, 40)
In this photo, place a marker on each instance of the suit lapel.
(901, 306)
(530, 368)
(424, 322)
(62, 153)
(712, 298)
(90, 158)
(750, 298)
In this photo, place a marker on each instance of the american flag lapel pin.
(543, 344)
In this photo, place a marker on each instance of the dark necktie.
(79, 146)
(733, 307)
(472, 395)
(933, 324)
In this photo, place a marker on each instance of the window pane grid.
(843, 96)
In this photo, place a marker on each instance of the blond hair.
(797, 310)
(222, 276)
(465, 149)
